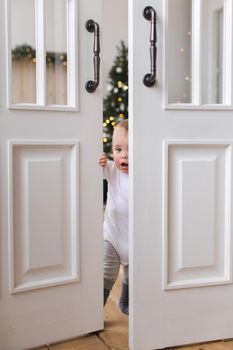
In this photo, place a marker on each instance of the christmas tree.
(116, 101)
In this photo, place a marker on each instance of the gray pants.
(112, 266)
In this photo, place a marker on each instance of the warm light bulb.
(119, 99)
(111, 118)
(119, 84)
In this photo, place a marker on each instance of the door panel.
(34, 264)
(181, 189)
(51, 252)
(196, 242)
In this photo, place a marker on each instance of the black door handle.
(150, 15)
(93, 27)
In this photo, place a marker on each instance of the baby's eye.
(118, 149)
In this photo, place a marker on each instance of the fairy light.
(24, 52)
(111, 118)
(119, 84)
(121, 115)
(105, 139)
(113, 123)
(107, 121)
(104, 124)
(119, 99)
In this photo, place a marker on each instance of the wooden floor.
(115, 333)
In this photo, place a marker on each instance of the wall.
(115, 29)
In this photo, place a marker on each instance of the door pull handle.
(93, 27)
(150, 15)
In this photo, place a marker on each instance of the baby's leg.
(111, 268)
(124, 298)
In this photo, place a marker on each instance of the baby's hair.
(122, 124)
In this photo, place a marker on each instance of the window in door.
(42, 51)
(198, 71)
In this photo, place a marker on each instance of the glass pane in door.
(212, 51)
(56, 52)
(23, 43)
(179, 51)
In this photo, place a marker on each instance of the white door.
(50, 183)
(181, 139)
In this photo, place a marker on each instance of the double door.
(180, 136)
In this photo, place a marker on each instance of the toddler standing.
(116, 214)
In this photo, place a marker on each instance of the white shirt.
(116, 213)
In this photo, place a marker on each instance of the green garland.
(26, 52)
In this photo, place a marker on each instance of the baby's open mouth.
(124, 165)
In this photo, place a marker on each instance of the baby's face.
(120, 149)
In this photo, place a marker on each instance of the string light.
(119, 84)
(111, 118)
(105, 139)
(113, 123)
(119, 99)
(104, 124)
(26, 52)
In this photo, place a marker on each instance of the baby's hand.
(103, 160)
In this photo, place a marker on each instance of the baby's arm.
(103, 160)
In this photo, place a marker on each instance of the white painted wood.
(72, 52)
(196, 55)
(180, 204)
(40, 52)
(51, 208)
(196, 176)
(43, 176)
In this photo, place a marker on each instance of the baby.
(116, 214)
